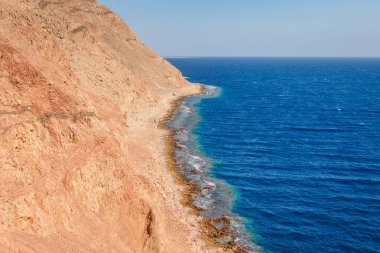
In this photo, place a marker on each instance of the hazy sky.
(255, 27)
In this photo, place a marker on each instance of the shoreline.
(217, 232)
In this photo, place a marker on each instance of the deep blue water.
(299, 142)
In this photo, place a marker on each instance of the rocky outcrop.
(82, 159)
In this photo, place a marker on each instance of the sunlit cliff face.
(81, 157)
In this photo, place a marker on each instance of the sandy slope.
(82, 159)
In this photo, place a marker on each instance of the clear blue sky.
(255, 27)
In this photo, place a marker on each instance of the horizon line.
(237, 56)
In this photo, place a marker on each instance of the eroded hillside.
(82, 159)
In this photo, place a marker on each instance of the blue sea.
(289, 148)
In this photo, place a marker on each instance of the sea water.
(293, 146)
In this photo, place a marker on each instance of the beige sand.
(82, 156)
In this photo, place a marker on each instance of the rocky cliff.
(82, 157)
